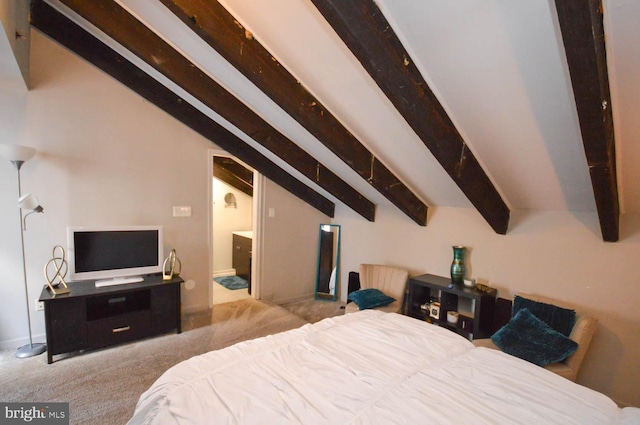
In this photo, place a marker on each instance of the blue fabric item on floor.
(232, 282)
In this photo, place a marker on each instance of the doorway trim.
(256, 224)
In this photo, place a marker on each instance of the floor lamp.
(18, 155)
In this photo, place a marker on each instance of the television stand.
(118, 281)
(91, 317)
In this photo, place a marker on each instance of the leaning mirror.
(328, 262)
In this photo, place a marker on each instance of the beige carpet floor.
(103, 386)
(313, 311)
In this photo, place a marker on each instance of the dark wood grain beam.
(59, 28)
(233, 174)
(211, 21)
(366, 32)
(583, 36)
(117, 23)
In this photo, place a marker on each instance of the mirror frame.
(332, 248)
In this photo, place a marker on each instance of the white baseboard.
(267, 296)
(227, 272)
(19, 342)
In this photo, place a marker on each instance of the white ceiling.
(499, 71)
(497, 67)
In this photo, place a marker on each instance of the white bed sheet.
(369, 368)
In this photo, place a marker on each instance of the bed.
(369, 367)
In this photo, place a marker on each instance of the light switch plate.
(182, 211)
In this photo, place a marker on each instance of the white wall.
(228, 220)
(290, 244)
(558, 254)
(105, 157)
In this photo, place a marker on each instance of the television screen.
(103, 253)
(115, 250)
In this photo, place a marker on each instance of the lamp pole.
(31, 349)
(18, 155)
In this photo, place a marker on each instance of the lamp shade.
(17, 152)
(29, 202)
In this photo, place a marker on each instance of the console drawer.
(118, 329)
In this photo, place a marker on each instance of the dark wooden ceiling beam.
(117, 23)
(582, 28)
(366, 32)
(58, 27)
(215, 25)
(233, 174)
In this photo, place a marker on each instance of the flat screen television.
(114, 255)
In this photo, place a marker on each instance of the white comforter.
(369, 368)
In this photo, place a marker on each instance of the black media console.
(90, 317)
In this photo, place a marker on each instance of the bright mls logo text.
(38, 413)
(27, 415)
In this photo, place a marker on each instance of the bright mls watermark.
(34, 413)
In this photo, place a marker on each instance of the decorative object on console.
(457, 265)
(18, 155)
(483, 288)
(435, 310)
(174, 266)
(452, 317)
(59, 266)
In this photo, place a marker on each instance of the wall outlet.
(39, 305)
(182, 211)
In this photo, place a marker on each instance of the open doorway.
(233, 242)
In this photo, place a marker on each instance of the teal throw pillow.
(531, 339)
(558, 318)
(370, 298)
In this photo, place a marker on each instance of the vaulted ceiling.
(479, 104)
